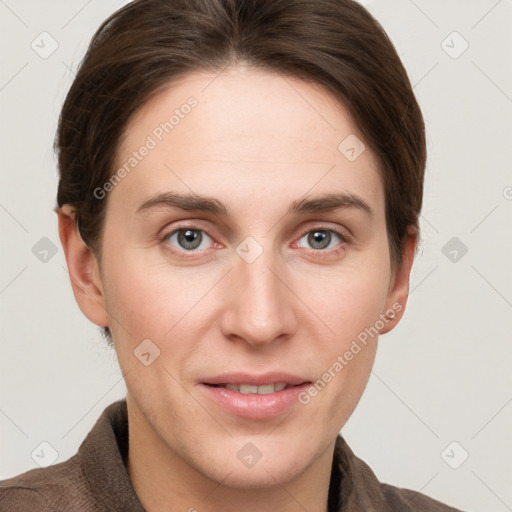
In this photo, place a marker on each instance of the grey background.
(442, 376)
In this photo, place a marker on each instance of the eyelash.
(182, 254)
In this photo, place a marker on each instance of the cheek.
(347, 300)
(146, 303)
(151, 299)
(350, 307)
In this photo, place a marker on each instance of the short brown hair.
(147, 44)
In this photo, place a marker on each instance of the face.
(243, 247)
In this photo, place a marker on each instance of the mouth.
(248, 389)
(254, 397)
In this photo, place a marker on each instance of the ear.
(399, 283)
(83, 269)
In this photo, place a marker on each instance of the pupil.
(319, 239)
(189, 239)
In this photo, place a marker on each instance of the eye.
(320, 239)
(192, 240)
(188, 239)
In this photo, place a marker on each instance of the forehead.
(247, 127)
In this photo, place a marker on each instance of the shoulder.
(406, 500)
(58, 487)
(358, 488)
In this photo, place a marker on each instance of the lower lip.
(252, 405)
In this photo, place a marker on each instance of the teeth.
(265, 389)
(245, 389)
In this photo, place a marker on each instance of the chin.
(261, 476)
(256, 462)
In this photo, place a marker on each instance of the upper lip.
(256, 380)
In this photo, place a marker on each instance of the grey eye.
(189, 239)
(319, 239)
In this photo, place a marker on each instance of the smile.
(246, 389)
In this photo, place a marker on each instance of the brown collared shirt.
(95, 479)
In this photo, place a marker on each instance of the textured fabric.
(96, 480)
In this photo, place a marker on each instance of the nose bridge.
(259, 310)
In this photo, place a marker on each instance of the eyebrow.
(309, 204)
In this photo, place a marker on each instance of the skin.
(256, 142)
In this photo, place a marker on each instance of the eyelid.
(167, 234)
(196, 224)
(346, 237)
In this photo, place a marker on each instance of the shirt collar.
(354, 486)
(103, 456)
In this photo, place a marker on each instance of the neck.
(164, 481)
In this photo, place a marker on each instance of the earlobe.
(83, 269)
(399, 287)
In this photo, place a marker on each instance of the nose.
(259, 308)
